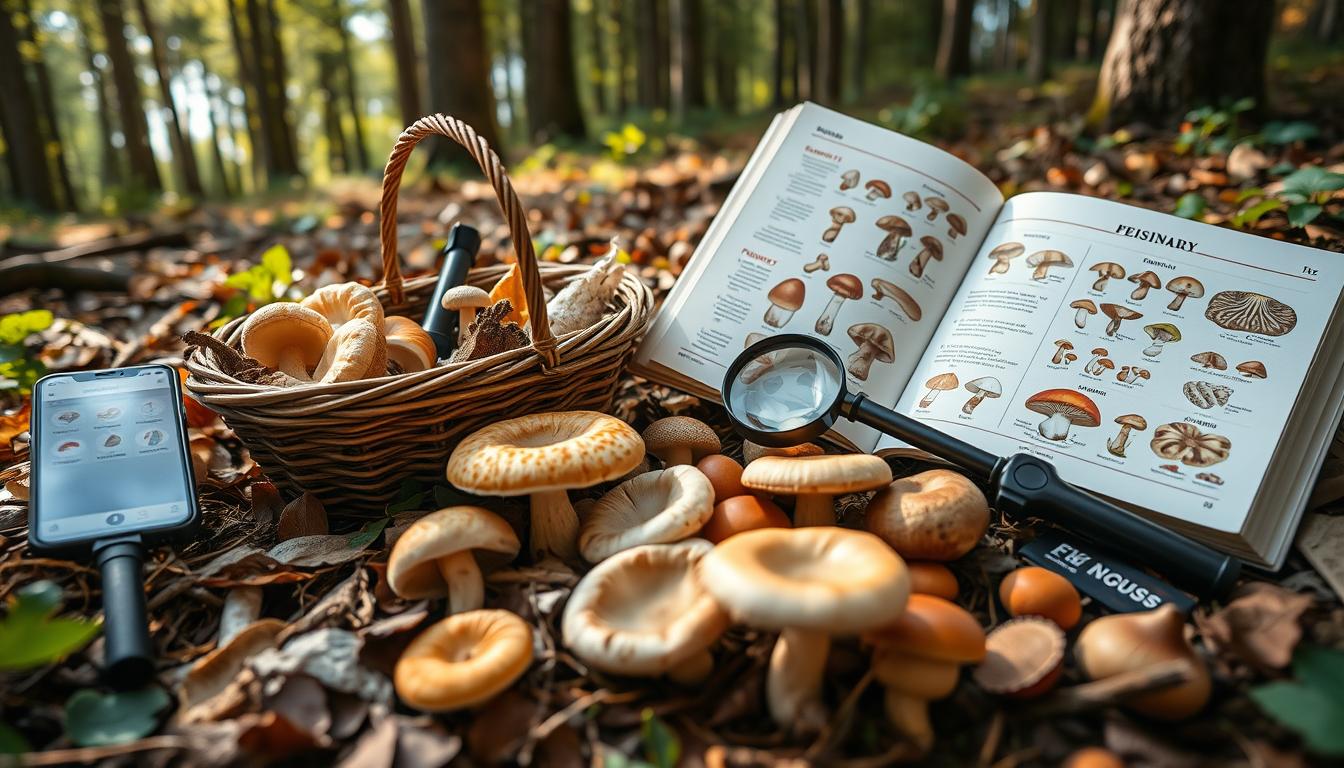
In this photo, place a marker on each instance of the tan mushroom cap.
(1253, 368)
(1147, 278)
(1119, 311)
(342, 302)
(842, 215)
(937, 203)
(884, 288)
(680, 440)
(441, 553)
(643, 611)
(943, 382)
(1107, 269)
(656, 507)
(1167, 331)
(1022, 657)
(894, 224)
(789, 294)
(463, 660)
(408, 345)
(1086, 305)
(955, 223)
(544, 452)
(875, 336)
(1006, 251)
(1132, 420)
(464, 297)
(358, 350)
(1187, 286)
(1049, 257)
(844, 473)
(1211, 359)
(287, 337)
(751, 451)
(847, 285)
(935, 515)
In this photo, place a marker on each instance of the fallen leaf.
(31, 637)
(213, 673)
(266, 503)
(304, 516)
(303, 702)
(94, 719)
(500, 727)
(331, 656)
(1260, 626)
(12, 424)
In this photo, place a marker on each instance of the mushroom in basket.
(583, 301)
(1063, 408)
(287, 337)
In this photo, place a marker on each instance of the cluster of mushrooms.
(677, 555)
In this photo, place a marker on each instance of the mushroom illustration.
(844, 286)
(679, 440)
(874, 343)
(822, 262)
(1105, 271)
(1124, 371)
(1097, 354)
(883, 289)
(849, 180)
(753, 370)
(1253, 369)
(658, 507)
(542, 456)
(1044, 260)
(807, 584)
(1004, 253)
(1184, 442)
(463, 660)
(936, 205)
(1062, 346)
(1069, 358)
(1103, 365)
(815, 480)
(981, 388)
(1063, 408)
(1184, 288)
(287, 337)
(840, 216)
(1136, 374)
(956, 225)
(878, 189)
(932, 250)
(912, 202)
(940, 383)
(464, 300)
(1210, 359)
(1250, 312)
(1160, 333)
(785, 299)
(897, 230)
(1118, 313)
(1085, 307)
(442, 554)
(1116, 445)
(1144, 282)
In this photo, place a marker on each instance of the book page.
(840, 230)
(1154, 360)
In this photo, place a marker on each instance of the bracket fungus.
(658, 507)
(287, 337)
(464, 300)
(1129, 421)
(878, 189)
(1186, 443)
(1184, 288)
(1160, 333)
(785, 299)
(808, 584)
(1251, 312)
(543, 456)
(844, 287)
(874, 343)
(935, 515)
(815, 480)
(643, 612)
(680, 440)
(883, 289)
(932, 249)
(1085, 307)
(463, 660)
(940, 383)
(897, 230)
(981, 388)
(1002, 254)
(1143, 283)
(1042, 261)
(1105, 271)
(1063, 408)
(840, 216)
(441, 555)
(1118, 313)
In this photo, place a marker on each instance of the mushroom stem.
(1080, 319)
(1113, 326)
(917, 266)
(1040, 272)
(1139, 293)
(1116, 446)
(677, 455)
(1154, 349)
(890, 247)
(793, 684)
(1059, 355)
(466, 587)
(778, 316)
(290, 362)
(692, 671)
(555, 526)
(242, 606)
(910, 716)
(970, 405)
(1176, 303)
(928, 398)
(1000, 267)
(861, 361)
(465, 317)
(1055, 427)
(1100, 284)
(813, 509)
(831, 233)
(826, 322)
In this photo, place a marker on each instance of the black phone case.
(163, 534)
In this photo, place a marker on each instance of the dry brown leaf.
(303, 702)
(1259, 626)
(266, 503)
(213, 673)
(331, 656)
(12, 424)
(304, 516)
(500, 727)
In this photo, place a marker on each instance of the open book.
(1188, 372)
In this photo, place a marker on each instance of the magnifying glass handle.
(922, 436)
(1027, 485)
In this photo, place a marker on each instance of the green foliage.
(1191, 205)
(1282, 133)
(94, 719)
(12, 742)
(1209, 130)
(933, 110)
(30, 637)
(662, 747)
(1302, 197)
(17, 368)
(1312, 705)
(259, 284)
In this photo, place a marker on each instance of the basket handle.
(543, 341)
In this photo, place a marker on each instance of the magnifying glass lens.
(785, 389)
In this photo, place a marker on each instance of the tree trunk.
(459, 77)
(130, 107)
(551, 85)
(278, 67)
(408, 63)
(662, 33)
(1328, 23)
(257, 147)
(110, 167)
(1007, 35)
(619, 37)
(45, 97)
(954, 43)
(228, 187)
(361, 153)
(777, 65)
(183, 151)
(804, 63)
(725, 55)
(24, 145)
(859, 74)
(1038, 58)
(830, 47)
(1067, 44)
(602, 101)
(646, 54)
(1167, 56)
(690, 45)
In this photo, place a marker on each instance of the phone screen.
(109, 455)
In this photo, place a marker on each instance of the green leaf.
(1312, 180)
(662, 748)
(1322, 668)
(20, 325)
(1290, 132)
(1191, 205)
(365, 536)
(93, 719)
(1302, 214)
(30, 637)
(1243, 105)
(11, 352)
(1255, 212)
(1309, 711)
(12, 742)
(1248, 193)
(276, 259)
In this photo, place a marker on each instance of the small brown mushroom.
(912, 202)
(883, 289)
(1069, 358)
(932, 250)
(940, 383)
(935, 515)
(845, 286)
(840, 216)
(956, 225)
(981, 388)
(897, 230)
(1063, 408)
(1044, 260)
(1097, 354)
(1118, 313)
(849, 180)
(1062, 346)
(1085, 307)
(936, 205)
(678, 440)
(1002, 254)
(1144, 282)
(878, 189)
(1253, 369)
(785, 299)
(1184, 288)
(1116, 445)
(1210, 359)
(1105, 271)
(465, 300)
(874, 343)
(441, 555)
(822, 262)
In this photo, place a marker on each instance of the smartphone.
(110, 458)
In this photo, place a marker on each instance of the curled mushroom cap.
(934, 515)
(656, 507)
(815, 480)
(342, 302)
(956, 225)
(358, 350)
(1253, 369)
(1117, 313)
(842, 215)
(438, 555)
(287, 337)
(751, 451)
(1210, 359)
(408, 345)
(680, 440)
(1004, 253)
(643, 612)
(463, 660)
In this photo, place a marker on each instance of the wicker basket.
(354, 444)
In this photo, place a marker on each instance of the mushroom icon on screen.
(845, 286)
(1118, 314)
(1063, 408)
(912, 202)
(932, 250)
(874, 344)
(1160, 333)
(940, 383)
(1044, 260)
(981, 388)
(785, 299)
(839, 217)
(956, 225)
(1143, 282)
(878, 189)
(849, 180)
(1002, 254)
(1105, 271)
(897, 230)
(1184, 288)
(1085, 307)
(1062, 347)
(936, 205)
(1130, 421)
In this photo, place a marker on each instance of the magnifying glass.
(790, 388)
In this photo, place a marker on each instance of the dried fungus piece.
(491, 334)
(1251, 312)
(1185, 443)
(583, 301)
(1023, 658)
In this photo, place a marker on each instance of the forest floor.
(145, 294)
